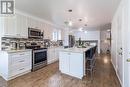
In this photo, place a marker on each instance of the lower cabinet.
(71, 64)
(53, 54)
(15, 64)
(76, 64)
(64, 62)
(50, 55)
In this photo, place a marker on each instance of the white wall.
(90, 35)
(121, 20)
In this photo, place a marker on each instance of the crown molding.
(38, 18)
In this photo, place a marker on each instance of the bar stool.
(90, 60)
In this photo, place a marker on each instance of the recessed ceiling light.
(70, 10)
(80, 19)
(85, 25)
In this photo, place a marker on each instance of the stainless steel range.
(39, 57)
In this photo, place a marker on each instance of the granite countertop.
(52, 47)
(77, 50)
(15, 51)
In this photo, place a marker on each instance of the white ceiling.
(93, 12)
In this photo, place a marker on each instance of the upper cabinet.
(21, 26)
(15, 26)
(8, 26)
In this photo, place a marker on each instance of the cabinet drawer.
(19, 69)
(20, 54)
(20, 60)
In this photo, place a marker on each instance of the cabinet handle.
(21, 69)
(21, 61)
(22, 54)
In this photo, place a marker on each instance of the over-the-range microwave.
(35, 33)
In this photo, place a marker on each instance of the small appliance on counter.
(46, 43)
(60, 42)
(39, 56)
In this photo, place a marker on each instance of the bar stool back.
(90, 57)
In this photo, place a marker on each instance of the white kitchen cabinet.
(21, 26)
(64, 62)
(13, 65)
(71, 63)
(50, 55)
(76, 64)
(8, 26)
(53, 54)
(57, 52)
(15, 26)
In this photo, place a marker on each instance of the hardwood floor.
(49, 76)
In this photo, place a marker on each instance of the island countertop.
(76, 50)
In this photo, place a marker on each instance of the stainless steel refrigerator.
(71, 40)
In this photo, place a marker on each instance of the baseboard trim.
(117, 74)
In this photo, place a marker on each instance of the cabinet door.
(50, 56)
(76, 65)
(9, 26)
(22, 29)
(56, 53)
(64, 62)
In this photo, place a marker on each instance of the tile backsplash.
(9, 43)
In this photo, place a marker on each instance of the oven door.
(39, 56)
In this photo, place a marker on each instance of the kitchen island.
(72, 61)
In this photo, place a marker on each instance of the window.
(56, 35)
(59, 35)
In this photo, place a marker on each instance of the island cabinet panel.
(71, 63)
(64, 62)
(76, 64)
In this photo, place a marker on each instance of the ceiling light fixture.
(70, 23)
(85, 25)
(81, 29)
(70, 10)
(80, 19)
